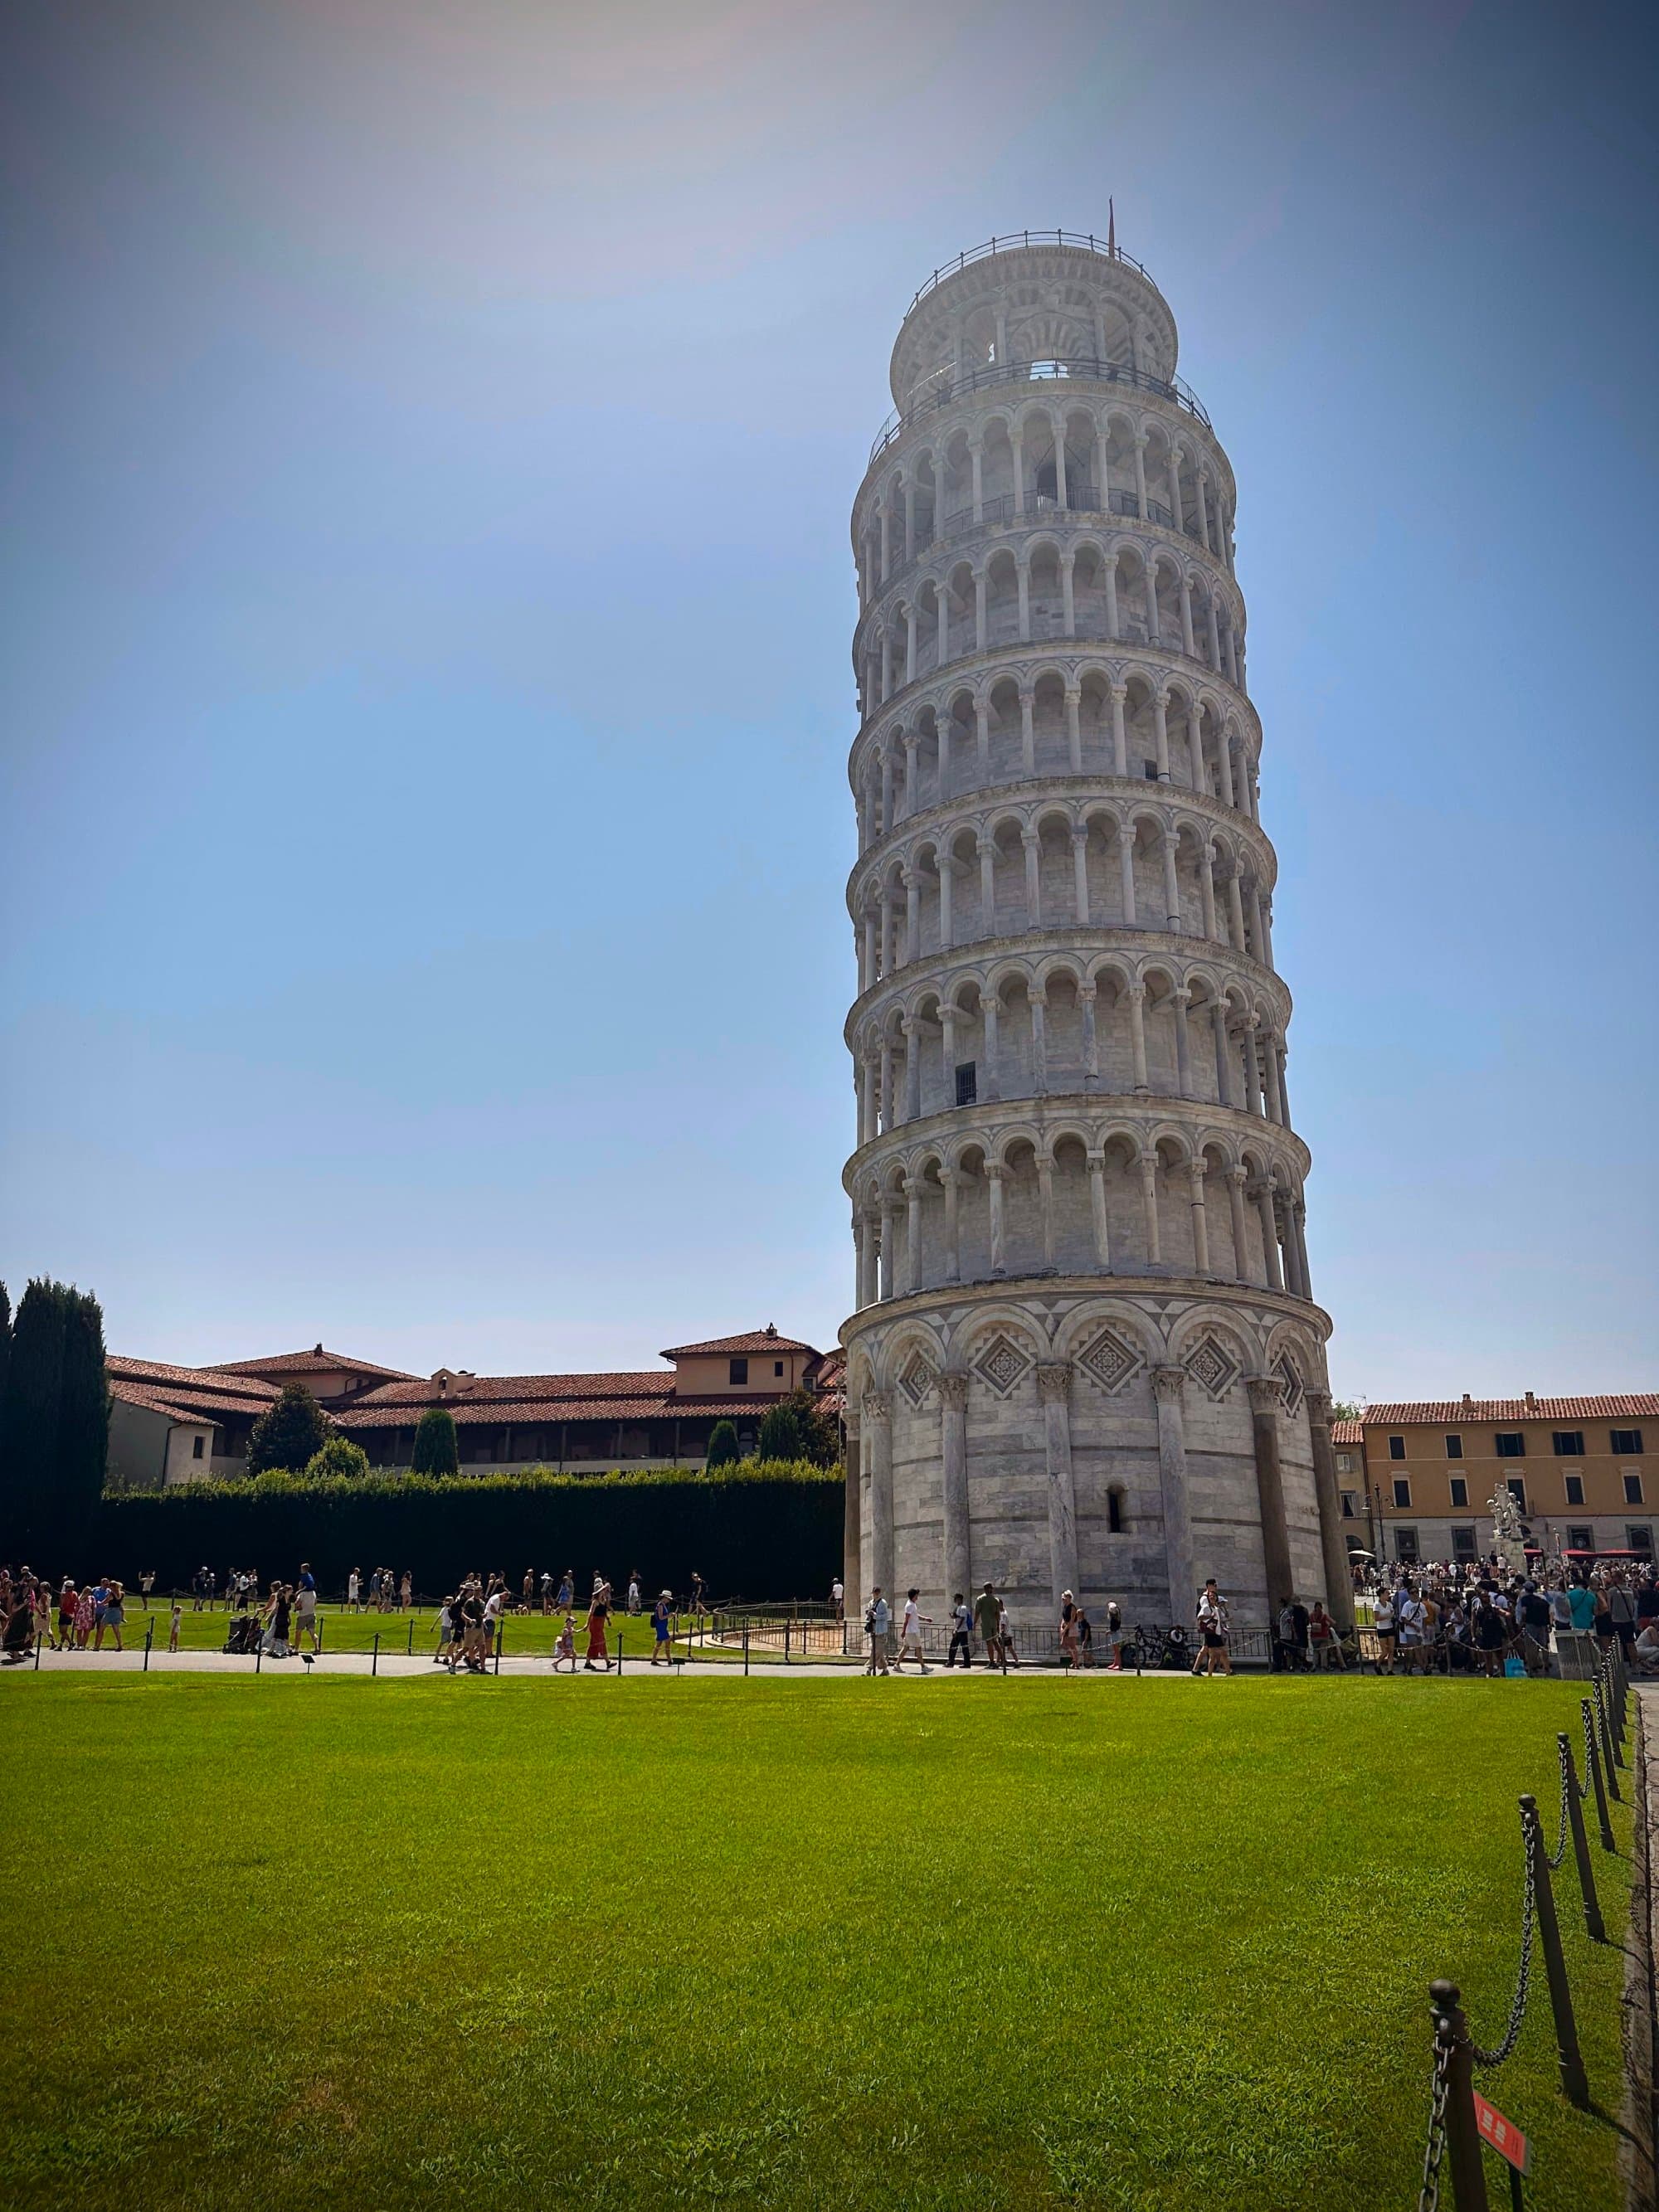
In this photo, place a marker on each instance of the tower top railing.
(1014, 239)
(1084, 369)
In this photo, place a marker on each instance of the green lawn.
(974, 1945)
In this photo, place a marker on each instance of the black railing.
(1085, 367)
(1013, 241)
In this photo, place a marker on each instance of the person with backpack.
(877, 1620)
(988, 1615)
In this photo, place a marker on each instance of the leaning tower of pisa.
(1086, 1354)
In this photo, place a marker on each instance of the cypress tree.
(77, 1479)
(33, 1407)
(723, 1445)
(781, 1433)
(289, 1434)
(436, 1448)
(5, 1341)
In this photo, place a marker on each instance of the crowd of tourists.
(1481, 1618)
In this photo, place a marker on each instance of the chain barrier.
(1428, 2196)
(1523, 1979)
(1554, 1858)
(1451, 2129)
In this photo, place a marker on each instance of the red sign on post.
(1505, 2138)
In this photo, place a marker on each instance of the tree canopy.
(289, 1434)
(436, 1451)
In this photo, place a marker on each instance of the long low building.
(1417, 1478)
(171, 1423)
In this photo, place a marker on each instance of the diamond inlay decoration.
(1213, 1367)
(1289, 1383)
(1002, 1364)
(917, 1378)
(1109, 1362)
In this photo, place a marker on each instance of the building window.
(1518, 1490)
(1578, 1540)
(1633, 1488)
(1405, 1546)
(1511, 1444)
(1625, 1443)
(777, 1367)
(196, 1443)
(1149, 769)
(1463, 1543)
(1639, 1539)
(1115, 1512)
(739, 1371)
(968, 1083)
(1454, 1448)
(1402, 1493)
(1575, 1489)
(1345, 1463)
(1396, 1447)
(1349, 1510)
(1460, 1490)
(1569, 1444)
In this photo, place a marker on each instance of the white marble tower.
(1086, 1354)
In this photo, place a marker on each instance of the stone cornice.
(958, 811)
(1100, 940)
(1058, 1112)
(976, 543)
(1006, 1289)
(1121, 657)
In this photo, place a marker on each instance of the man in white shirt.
(911, 1633)
(962, 1633)
(877, 1620)
(838, 1598)
(1212, 1617)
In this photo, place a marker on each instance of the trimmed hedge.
(766, 1529)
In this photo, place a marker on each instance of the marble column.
(1169, 1387)
(1054, 1387)
(853, 1520)
(877, 1434)
(953, 1454)
(1265, 1400)
(1338, 1583)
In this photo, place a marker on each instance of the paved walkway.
(393, 1664)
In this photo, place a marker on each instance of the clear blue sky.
(430, 433)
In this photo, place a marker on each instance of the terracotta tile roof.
(757, 1340)
(208, 1406)
(248, 1391)
(1448, 1413)
(382, 1411)
(494, 1390)
(1347, 1432)
(314, 1362)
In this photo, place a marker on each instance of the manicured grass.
(333, 1943)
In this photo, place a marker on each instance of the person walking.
(597, 1613)
(353, 1591)
(662, 1652)
(274, 1641)
(911, 1633)
(115, 1613)
(146, 1584)
(67, 1600)
(986, 1614)
(565, 1648)
(877, 1621)
(838, 1600)
(1006, 1635)
(566, 1597)
(304, 1608)
(962, 1633)
(175, 1624)
(1213, 1618)
(1114, 1635)
(1324, 1642)
(1068, 1649)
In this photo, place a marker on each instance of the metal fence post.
(1573, 2083)
(1593, 1926)
(785, 1643)
(1593, 1764)
(374, 1661)
(1610, 1761)
(619, 1653)
(149, 1638)
(745, 1650)
(500, 1638)
(411, 1636)
(1454, 2063)
(258, 1655)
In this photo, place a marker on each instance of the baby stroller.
(243, 1639)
